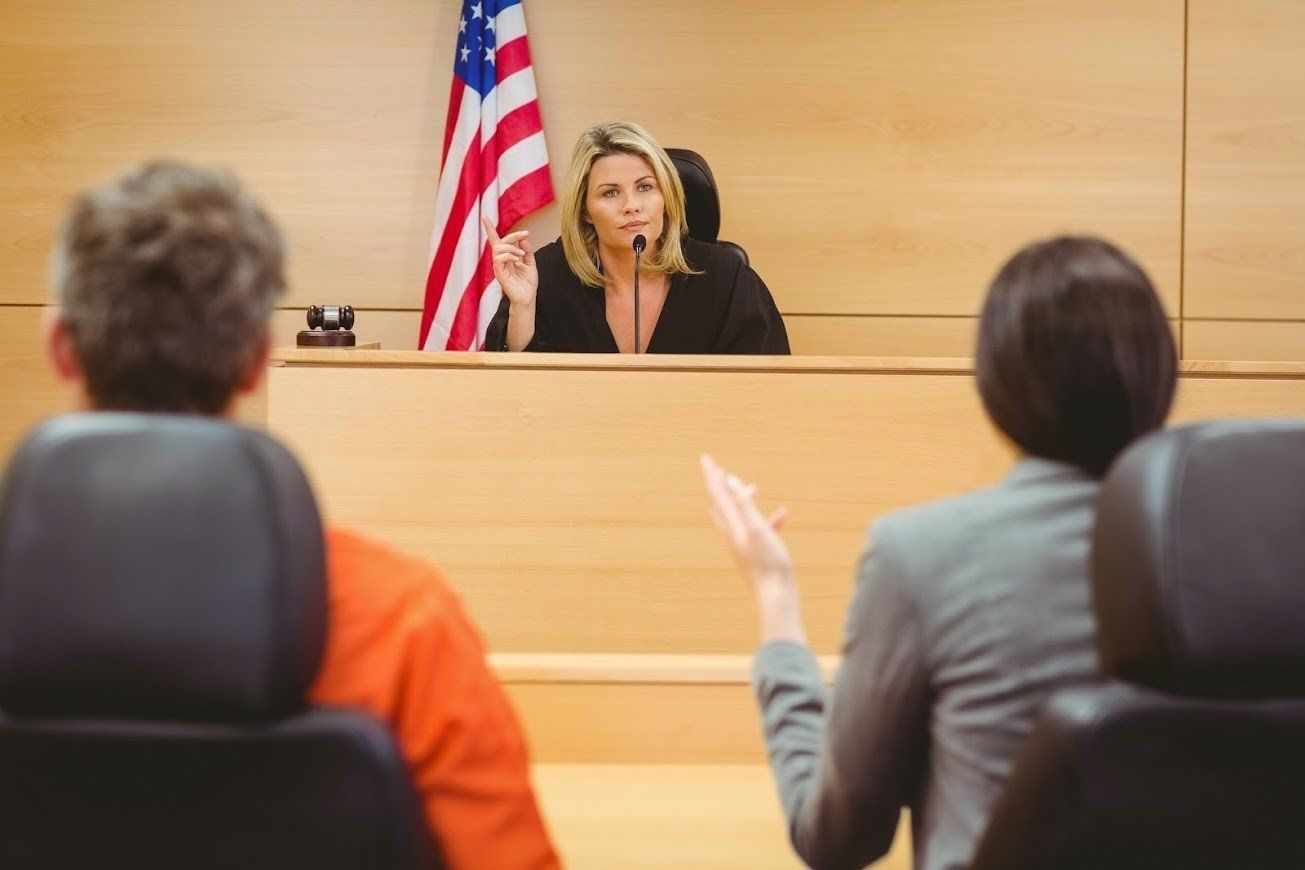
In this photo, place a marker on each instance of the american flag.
(494, 164)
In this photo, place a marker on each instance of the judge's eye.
(646, 186)
(611, 191)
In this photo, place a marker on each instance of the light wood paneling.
(885, 165)
(660, 709)
(640, 723)
(332, 112)
(1245, 160)
(818, 335)
(29, 390)
(568, 508)
(566, 504)
(653, 817)
(1232, 339)
(567, 668)
(1208, 398)
(888, 164)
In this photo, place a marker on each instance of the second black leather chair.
(1193, 755)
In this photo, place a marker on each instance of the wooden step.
(637, 708)
(675, 815)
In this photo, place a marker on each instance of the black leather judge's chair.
(702, 200)
(162, 609)
(1192, 754)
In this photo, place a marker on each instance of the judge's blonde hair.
(580, 239)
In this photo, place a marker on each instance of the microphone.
(639, 244)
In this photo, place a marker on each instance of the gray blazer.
(967, 614)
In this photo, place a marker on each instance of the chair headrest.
(701, 199)
(157, 567)
(1198, 560)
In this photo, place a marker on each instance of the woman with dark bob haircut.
(968, 612)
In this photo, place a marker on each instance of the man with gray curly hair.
(166, 279)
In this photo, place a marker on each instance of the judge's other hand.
(758, 550)
(514, 265)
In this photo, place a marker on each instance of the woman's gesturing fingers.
(723, 509)
(753, 538)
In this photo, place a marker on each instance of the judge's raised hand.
(514, 265)
(758, 550)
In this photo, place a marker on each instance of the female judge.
(576, 295)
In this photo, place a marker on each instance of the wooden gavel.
(330, 317)
(328, 326)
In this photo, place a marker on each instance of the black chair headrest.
(1198, 560)
(157, 567)
(701, 199)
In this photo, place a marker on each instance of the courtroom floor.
(633, 816)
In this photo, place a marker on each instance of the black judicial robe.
(726, 309)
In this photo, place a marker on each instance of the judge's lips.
(634, 226)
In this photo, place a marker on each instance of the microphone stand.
(639, 243)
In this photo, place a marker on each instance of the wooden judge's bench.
(561, 495)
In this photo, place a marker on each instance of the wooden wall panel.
(1245, 160)
(1202, 398)
(664, 709)
(29, 390)
(567, 504)
(651, 817)
(1244, 339)
(824, 335)
(889, 163)
(885, 165)
(658, 724)
(331, 110)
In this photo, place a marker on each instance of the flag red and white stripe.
(495, 164)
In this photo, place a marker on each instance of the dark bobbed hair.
(1075, 357)
(166, 278)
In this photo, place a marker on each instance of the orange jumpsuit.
(400, 646)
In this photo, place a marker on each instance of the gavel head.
(330, 317)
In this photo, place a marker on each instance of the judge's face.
(623, 201)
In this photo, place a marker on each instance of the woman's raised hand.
(514, 265)
(758, 549)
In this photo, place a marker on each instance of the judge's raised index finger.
(489, 229)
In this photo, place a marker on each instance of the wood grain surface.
(1245, 162)
(885, 165)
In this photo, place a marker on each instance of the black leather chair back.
(702, 199)
(1192, 754)
(162, 611)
